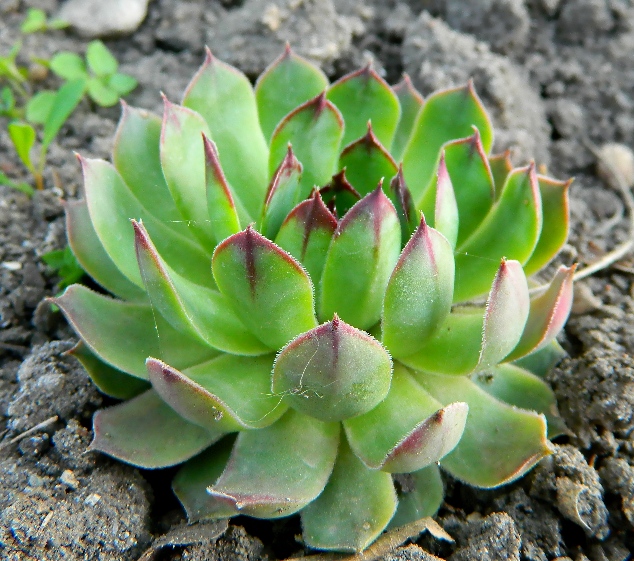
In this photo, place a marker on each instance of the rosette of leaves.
(321, 296)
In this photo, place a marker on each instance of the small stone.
(94, 18)
(68, 478)
(12, 265)
(92, 499)
(616, 161)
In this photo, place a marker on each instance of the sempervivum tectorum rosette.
(318, 286)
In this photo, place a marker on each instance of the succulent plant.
(321, 297)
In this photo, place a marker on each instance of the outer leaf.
(421, 495)
(516, 386)
(146, 433)
(402, 200)
(199, 311)
(123, 335)
(269, 290)
(354, 508)
(364, 96)
(408, 430)
(548, 314)
(23, 138)
(411, 102)
(483, 457)
(183, 163)
(306, 234)
(315, 130)
(225, 99)
(419, 292)
(100, 60)
(339, 195)
(332, 372)
(91, 255)
(296, 77)
(446, 215)
(541, 362)
(367, 162)
(446, 115)
(282, 195)
(511, 229)
(501, 166)
(223, 214)
(360, 260)
(109, 380)
(66, 99)
(278, 470)
(556, 223)
(227, 393)
(191, 482)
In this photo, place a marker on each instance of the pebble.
(616, 158)
(95, 18)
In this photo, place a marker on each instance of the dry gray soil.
(554, 74)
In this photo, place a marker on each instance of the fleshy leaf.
(227, 393)
(123, 335)
(224, 97)
(282, 194)
(196, 475)
(277, 470)
(541, 362)
(362, 255)
(111, 206)
(314, 129)
(92, 256)
(332, 372)
(223, 215)
(201, 312)
(339, 195)
(484, 456)
(419, 293)
(501, 166)
(511, 230)
(355, 507)
(401, 198)
(408, 430)
(367, 162)
(554, 195)
(183, 163)
(445, 116)
(269, 290)
(109, 380)
(446, 215)
(421, 495)
(296, 77)
(306, 234)
(364, 96)
(411, 102)
(548, 314)
(147, 433)
(516, 386)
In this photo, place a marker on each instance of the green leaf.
(484, 456)
(282, 195)
(420, 497)
(446, 215)
(225, 99)
(419, 293)
(109, 380)
(196, 475)
(355, 507)
(332, 372)
(306, 234)
(227, 393)
(278, 470)
(92, 256)
(66, 265)
(445, 116)
(287, 83)
(23, 137)
(66, 100)
(38, 108)
(100, 60)
(501, 166)
(123, 335)
(146, 433)
(69, 66)
(100, 93)
(35, 20)
(543, 361)
(408, 430)
(364, 96)
(339, 195)
(270, 291)
(122, 84)
(367, 162)
(402, 200)
(199, 311)
(556, 222)
(511, 230)
(411, 102)
(362, 255)
(22, 187)
(314, 129)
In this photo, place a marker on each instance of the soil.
(554, 74)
